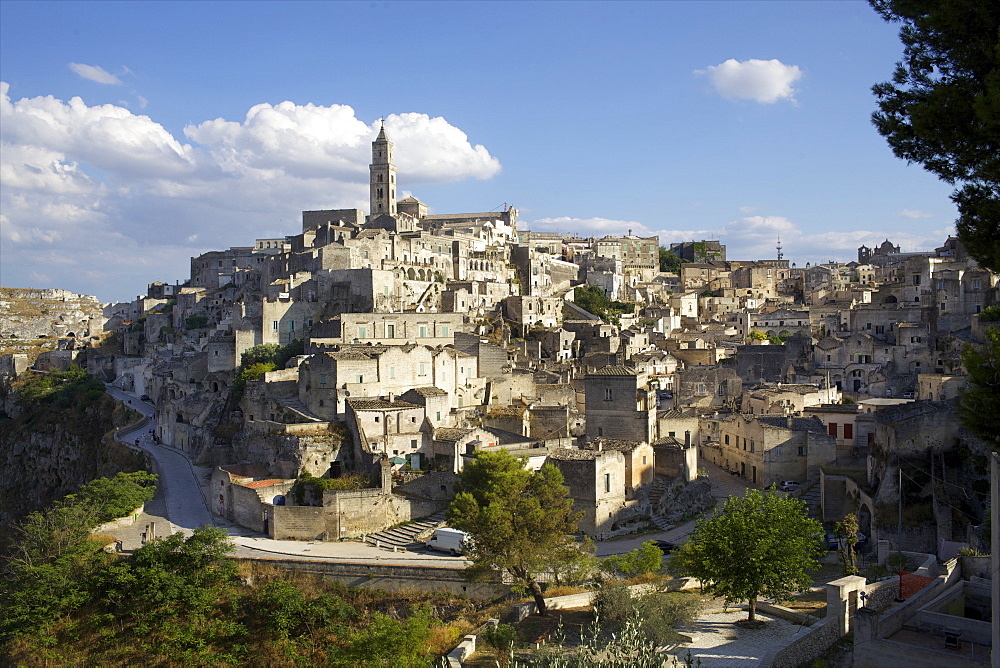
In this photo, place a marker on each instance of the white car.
(789, 485)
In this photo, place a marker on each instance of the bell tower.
(382, 189)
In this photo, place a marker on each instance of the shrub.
(645, 559)
(196, 321)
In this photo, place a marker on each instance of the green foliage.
(942, 107)
(778, 339)
(669, 262)
(271, 353)
(500, 639)
(53, 556)
(656, 614)
(760, 544)
(846, 532)
(111, 498)
(253, 372)
(641, 561)
(518, 520)
(757, 336)
(990, 314)
(389, 642)
(73, 387)
(308, 490)
(196, 321)
(593, 300)
(979, 403)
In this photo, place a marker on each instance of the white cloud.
(911, 213)
(95, 73)
(764, 81)
(85, 183)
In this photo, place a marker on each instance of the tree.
(669, 262)
(942, 107)
(518, 520)
(643, 560)
(846, 532)
(757, 545)
(979, 403)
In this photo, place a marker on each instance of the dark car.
(833, 543)
(145, 397)
(666, 547)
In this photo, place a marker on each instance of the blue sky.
(138, 134)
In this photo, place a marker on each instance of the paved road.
(179, 505)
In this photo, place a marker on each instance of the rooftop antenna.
(779, 249)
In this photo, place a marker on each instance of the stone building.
(596, 483)
(767, 449)
(619, 405)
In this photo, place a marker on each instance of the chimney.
(687, 439)
(600, 446)
(391, 397)
(788, 421)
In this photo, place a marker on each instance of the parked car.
(448, 540)
(145, 397)
(789, 485)
(833, 543)
(666, 547)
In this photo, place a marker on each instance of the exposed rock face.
(681, 501)
(49, 453)
(32, 314)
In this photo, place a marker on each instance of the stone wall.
(805, 648)
(298, 523)
(355, 513)
(395, 578)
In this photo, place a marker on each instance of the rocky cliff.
(52, 445)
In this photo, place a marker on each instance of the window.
(392, 372)
(413, 443)
(607, 394)
(975, 284)
(607, 483)
(361, 378)
(274, 326)
(831, 429)
(600, 431)
(322, 379)
(944, 307)
(390, 331)
(916, 279)
(437, 416)
(423, 331)
(802, 451)
(848, 430)
(376, 419)
(422, 371)
(362, 332)
(727, 438)
(444, 330)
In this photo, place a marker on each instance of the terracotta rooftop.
(257, 484)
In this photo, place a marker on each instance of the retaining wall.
(393, 578)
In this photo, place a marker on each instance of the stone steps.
(295, 405)
(405, 536)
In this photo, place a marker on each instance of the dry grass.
(811, 603)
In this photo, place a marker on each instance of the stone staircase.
(295, 405)
(405, 536)
(811, 497)
(656, 491)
